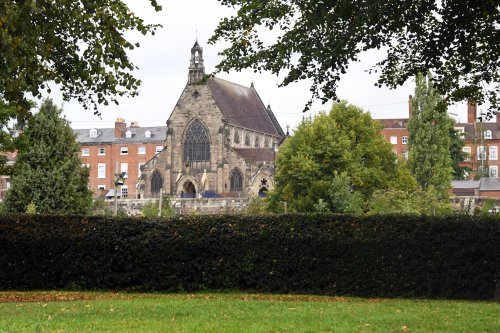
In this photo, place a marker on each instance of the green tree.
(48, 172)
(429, 143)
(77, 44)
(317, 40)
(346, 141)
(457, 154)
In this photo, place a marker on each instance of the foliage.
(457, 154)
(370, 256)
(341, 196)
(346, 141)
(417, 202)
(100, 207)
(429, 142)
(31, 209)
(78, 45)
(150, 209)
(9, 139)
(48, 172)
(317, 40)
(256, 205)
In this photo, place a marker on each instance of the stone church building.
(221, 141)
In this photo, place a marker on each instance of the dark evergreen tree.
(430, 155)
(48, 172)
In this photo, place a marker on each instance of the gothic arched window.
(197, 145)
(266, 142)
(247, 139)
(236, 136)
(257, 141)
(236, 178)
(156, 183)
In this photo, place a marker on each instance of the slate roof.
(470, 132)
(107, 135)
(241, 106)
(256, 154)
(465, 184)
(489, 184)
(394, 123)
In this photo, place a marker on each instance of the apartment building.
(107, 151)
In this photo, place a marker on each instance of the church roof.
(241, 106)
(256, 154)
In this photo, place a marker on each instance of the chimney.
(120, 127)
(409, 106)
(134, 124)
(471, 112)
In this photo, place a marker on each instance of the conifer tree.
(429, 143)
(48, 172)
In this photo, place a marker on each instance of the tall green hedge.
(373, 256)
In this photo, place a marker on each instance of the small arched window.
(236, 179)
(257, 141)
(266, 143)
(156, 183)
(236, 136)
(247, 139)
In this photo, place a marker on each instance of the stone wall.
(134, 207)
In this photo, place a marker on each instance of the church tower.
(196, 67)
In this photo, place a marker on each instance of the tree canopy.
(345, 144)
(315, 39)
(77, 44)
(48, 173)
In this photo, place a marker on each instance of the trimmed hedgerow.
(371, 256)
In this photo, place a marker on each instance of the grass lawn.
(227, 312)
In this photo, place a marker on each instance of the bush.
(370, 256)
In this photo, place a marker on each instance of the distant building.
(123, 148)
(221, 141)
(481, 139)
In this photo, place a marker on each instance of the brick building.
(221, 141)
(481, 139)
(122, 149)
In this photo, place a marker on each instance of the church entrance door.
(189, 190)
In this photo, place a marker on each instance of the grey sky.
(163, 60)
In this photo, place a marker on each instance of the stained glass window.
(236, 180)
(247, 139)
(257, 141)
(197, 143)
(236, 136)
(156, 183)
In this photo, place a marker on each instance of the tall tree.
(460, 171)
(77, 44)
(317, 40)
(48, 172)
(345, 142)
(429, 143)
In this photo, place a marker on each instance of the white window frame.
(393, 140)
(124, 168)
(101, 170)
(487, 134)
(101, 151)
(158, 149)
(493, 153)
(141, 150)
(147, 134)
(404, 140)
(101, 187)
(85, 151)
(123, 150)
(405, 155)
(480, 151)
(124, 191)
(468, 151)
(493, 171)
(93, 133)
(128, 134)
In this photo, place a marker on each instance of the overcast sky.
(163, 62)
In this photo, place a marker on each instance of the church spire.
(196, 67)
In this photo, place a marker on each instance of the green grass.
(239, 313)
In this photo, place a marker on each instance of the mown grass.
(115, 312)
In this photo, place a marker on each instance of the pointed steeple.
(196, 66)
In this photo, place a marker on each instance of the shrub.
(370, 256)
